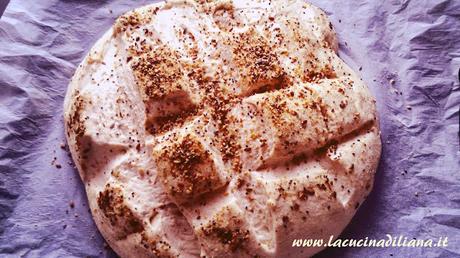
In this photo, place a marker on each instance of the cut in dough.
(221, 129)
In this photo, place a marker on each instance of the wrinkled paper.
(408, 52)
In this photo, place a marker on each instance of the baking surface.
(408, 53)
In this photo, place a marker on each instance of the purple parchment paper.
(408, 52)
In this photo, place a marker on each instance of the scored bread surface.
(221, 129)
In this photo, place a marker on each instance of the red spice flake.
(303, 195)
(285, 221)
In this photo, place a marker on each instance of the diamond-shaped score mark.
(252, 65)
(165, 89)
(188, 167)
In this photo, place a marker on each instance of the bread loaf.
(221, 129)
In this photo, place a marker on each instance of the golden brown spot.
(130, 20)
(227, 229)
(158, 72)
(187, 168)
(159, 248)
(326, 72)
(111, 203)
(259, 66)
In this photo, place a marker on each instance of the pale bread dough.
(221, 129)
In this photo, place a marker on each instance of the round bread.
(221, 129)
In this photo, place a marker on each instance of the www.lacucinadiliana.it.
(389, 241)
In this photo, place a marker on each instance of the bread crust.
(221, 129)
